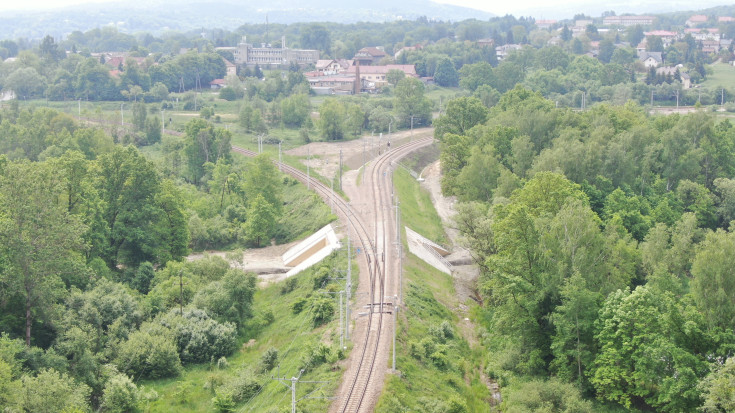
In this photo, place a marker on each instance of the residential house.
(686, 80)
(667, 37)
(328, 67)
(725, 19)
(628, 20)
(650, 59)
(332, 85)
(502, 51)
(267, 55)
(710, 46)
(704, 34)
(695, 20)
(375, 76)
(667, 70)
(217, 84)
(368, 56)
(230, 68)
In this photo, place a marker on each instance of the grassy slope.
(291, 334)
(429, 296)
(723, 75)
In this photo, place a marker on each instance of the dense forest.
(605, 245)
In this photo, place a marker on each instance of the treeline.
(50, 73)
(605, 245)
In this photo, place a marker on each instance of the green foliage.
(410, 102)
(718, 388)
(545, 396)
(322, 309)
(198, 337)
(643, 357)
(149, 352)
(331, 122)
(120, 395)
(51, 391)
(712, 286)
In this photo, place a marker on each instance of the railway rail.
(381, 263)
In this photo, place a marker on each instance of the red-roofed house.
(725, 19)
(217, 84)
(696, 19)
(369, 56)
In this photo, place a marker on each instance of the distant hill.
(156, 16)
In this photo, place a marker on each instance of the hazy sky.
(537, 8)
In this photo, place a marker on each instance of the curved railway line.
(382, 271)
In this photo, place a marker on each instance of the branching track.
(381, 263)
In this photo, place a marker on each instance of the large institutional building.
(266, 55)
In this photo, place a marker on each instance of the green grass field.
(723, 76)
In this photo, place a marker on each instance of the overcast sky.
(539, 9)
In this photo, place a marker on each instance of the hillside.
(160, 16)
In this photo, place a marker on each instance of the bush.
(52, 392)
(200, 338)
(321, 277)
(149, 353)
(120, 395)
(322, 310)
(298, 305)
(228, 93)
(289, 285)
(544, 396)
(241, 387)
(269, 359)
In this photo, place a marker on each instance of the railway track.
(382, 269)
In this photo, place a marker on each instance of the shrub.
(150, 353)
(269, 359)
(321, 277)
(322, 310)
(543, 396)
(289, 285)
(52, 392)
(223, 402)
(241, 387)
(200, 338)
(120, 395)
(298, 305)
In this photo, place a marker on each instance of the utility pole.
(280, 159)
(308, 160)
(395, 327)
(348, 287)
(340, 169)
(677, 100)
(122, 117)
(363, 152)
(181, 292)
(722, 98)
(163, 123)
(651, 99)
(411, 128)
(331, 196)
(292, 387)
